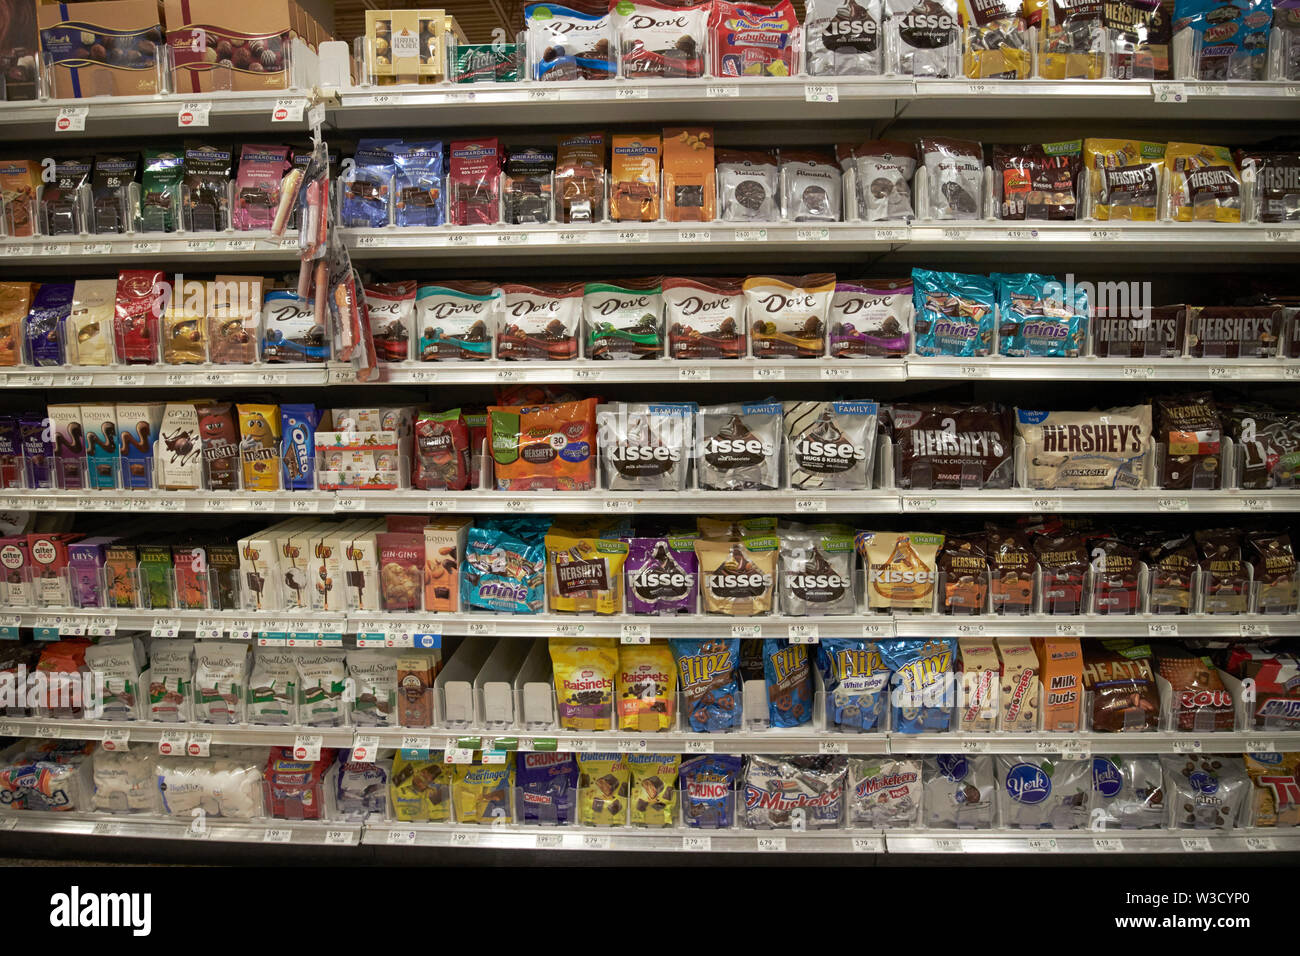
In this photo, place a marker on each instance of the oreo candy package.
(882, 170)
(816, 574)
(709, 670)
(810, 187)
(645, 447)
(787, 673)
(843, 37)
(857, 684)
(1128, 791)
(954, 313)
(830, 445)
(739, 447)
(871, 318)
(1041, 317)
(662, 576)
(780, 790)
(922, 683)
(1042, 793)
(958, 791)
(708, 787)
(884, 792)
(747, 185)
(954, 170)
(546, 786)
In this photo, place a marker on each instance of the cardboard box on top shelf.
(105, 48)
(247, 39)
(18, 48)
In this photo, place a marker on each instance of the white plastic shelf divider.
(229, 111)
(1101, 842)
(303, 832)
(150, 732)
(109, 251)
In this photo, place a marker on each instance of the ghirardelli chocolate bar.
(1159, 334)
(1234, 331)
(1064, 563)
(952, 446)
(1118, 674)
(1191, 432)
(1012, 564)
(1225, 577)
(1275, 571)
(1115, 572)
(964, 573)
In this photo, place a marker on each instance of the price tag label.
(751, 235)
(340, 838)
(106, 828)
(595, 841)
(1223, 371)
(772, 844)
(481, 628)
(1256, 745)
(721, 91)
(193, 114)
(1278, 235)
(287, 110)
(632, 745)
(956, 235)
(345, 375)
(836, 373)
(865, 845)
(307, 747)
(1169, 92)
(1108, 844)
(303, 505)
(631, 93)
(117, 739)
(1070, 630)
(769, 373)
(809, 505)
(364, 748)
(1254, 630)
(1162, 630)
(891, 235)
(877, 630)
(543, 95)
(586, 374)
(1139, 371)
(459, 755)
(970, 630)
(821, 93)
(633, 235)
(746, 630)
(130, 379)
(1045, 504)
(973, 746)
(442, 504)
(570, 630)
(1021, 235)
(276, 835)
(832, 747)
(699, 746)
(71, 119)
(920, 504)
(518, 505)
(96, 248)
(946, 845)
(512, 239)
(1196, 844)
(570, 236)
(144, 247)
(1103, 235)
(974, 371)
(165, 627)
(812, 235)
(1260, 843)
(420, 742)
(694, 235)
(55, 248)
(634, 634)
(464, 838)
(171, 743)
(400, 838)
(1185, 746)
(704, 843)
(1172, 504)
(549, 841)
(804, 633)
(693, 373)
(48, 731)
(1043, 845)
(10, 729)
(1076, 749)
(619, 505)
(239, 245)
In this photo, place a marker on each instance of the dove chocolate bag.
(705, 318)
(787, 314)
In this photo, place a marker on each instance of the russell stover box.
(121, 55)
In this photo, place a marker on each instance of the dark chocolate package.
(206, 189)
(1189, 428)
(580, 177)
(1201, 702)
(1116, 570)
(1119, 676)
(1234, 331)
(810, 187)
(1012, 567)
(958, 791)
(645, 447)
(113, 176)
(367, 191)
(871, 318)
(1268, 443)
(418, 184)
(964, 574)
(1127, 793)
(1171, 561)
(624, 319)
(780, 790)
(816, 574)
(1225, 575)
(1277, 176)
(472, 187)
(1064, 563)
(1044, 793)
(830, 445)
(954, 170)
(1204, 792)
(160, 190)
(1157, 332)
(62, 200)
(747, 185)
(1038, 181)
(44, 326)
(952, 446)
(527, 193)
(1273, 560)
(740, 447)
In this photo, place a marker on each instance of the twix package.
(689, 191)
(1060, 663)
(1018, 689)
(634, 178)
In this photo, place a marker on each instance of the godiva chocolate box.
(106, 48)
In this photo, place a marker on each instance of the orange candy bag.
(544, 447)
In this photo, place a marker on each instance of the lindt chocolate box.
(246, 44)
(1060, 663)
(105, 48)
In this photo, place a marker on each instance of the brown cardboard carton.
(407, 45)
(980, 680)
(105, 48)
(18, 44)
(1060, 663)
(244, 41)
(1018, 693)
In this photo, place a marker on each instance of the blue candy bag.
(366, 190)
(922, 688)
(1040, 317)
(419, 198)
(788, 674)
(298, 445)
(1234, 37)
(710, 674)
(546, 788)
(51, 305)
(707, 785)
(953, 313)
(505, 567)
(857, 683)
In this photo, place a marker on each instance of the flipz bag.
(857, 684)
(710, 682)
(787, 672)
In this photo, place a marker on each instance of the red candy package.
(139, 303)
(442, 452)
(474, 174)
(753, 39)
(295, 788)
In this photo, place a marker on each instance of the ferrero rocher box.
(407, 45)
(247, 40)
(107, 48)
